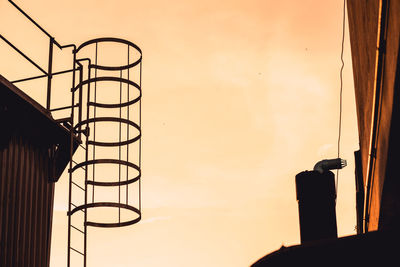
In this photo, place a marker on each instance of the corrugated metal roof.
(21, 115)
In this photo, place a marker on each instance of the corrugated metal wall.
(26, 204)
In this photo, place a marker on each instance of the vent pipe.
(316, 196)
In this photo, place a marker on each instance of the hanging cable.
(341, 91)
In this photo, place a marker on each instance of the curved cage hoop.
(110, 161)
(111, 119)
(131, 45)
(135, 211)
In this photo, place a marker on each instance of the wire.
(341, 91)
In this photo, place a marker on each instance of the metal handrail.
(35, 23)
(22, 54)
(43, 76)
(49, 73)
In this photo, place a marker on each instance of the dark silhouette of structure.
(35, 149)
(374, 35)
(371, 249)
(317, 200)
(375, 41)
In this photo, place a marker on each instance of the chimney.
(316, 196)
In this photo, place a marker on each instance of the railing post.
(49, 73)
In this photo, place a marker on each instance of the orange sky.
(238, 97)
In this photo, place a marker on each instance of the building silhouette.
(34, 151)
(375, 41)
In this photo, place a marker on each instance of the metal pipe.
(83, 59)
(22, 54)
(330, 164)
(41, 76)
(80, 98)
(69, 45)
(49, 73)
(383, 4)
(70, 162)
(94, 116)
(119, 148)
(127, 133)
(86, 148)
(34, 22)
(62, 108)
(80, 89)
(69, 188)
(140, 140)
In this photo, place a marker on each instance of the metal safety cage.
(94, 115)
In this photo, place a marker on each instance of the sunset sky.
(238, 97)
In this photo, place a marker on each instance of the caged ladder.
(106, 104)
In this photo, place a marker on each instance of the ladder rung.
(77, 251)
(78, 186)
(76, 228)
